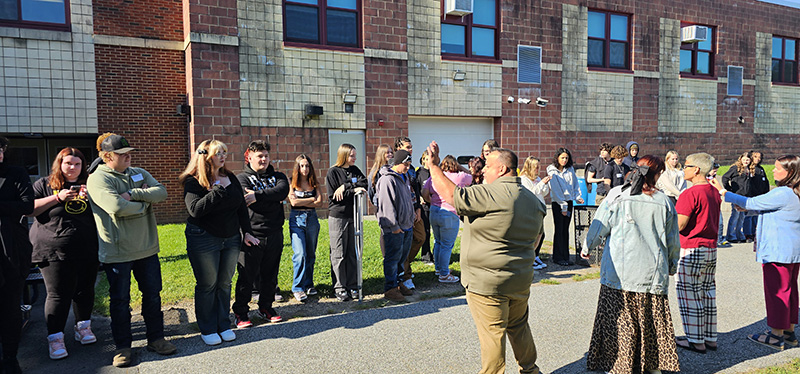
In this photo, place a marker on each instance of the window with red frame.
(784, 60)
(609, 40)
(698, 58)
(325, 22)
(474, 35)
(47, 14)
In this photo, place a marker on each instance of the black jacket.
(271, 188)
(351, 178)
(222, 211)
(759, 182)
(739, 184)
(16, 200)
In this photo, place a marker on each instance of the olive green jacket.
(126, 229)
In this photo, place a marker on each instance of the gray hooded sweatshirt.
(394, 202)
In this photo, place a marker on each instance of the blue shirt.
(778, 231)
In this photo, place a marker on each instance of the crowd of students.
(86, 215)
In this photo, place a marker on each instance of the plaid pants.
(697, 299)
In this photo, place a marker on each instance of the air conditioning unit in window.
(694, 34)
(457, 7)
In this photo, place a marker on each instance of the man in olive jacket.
(502, 224)
(121, 197)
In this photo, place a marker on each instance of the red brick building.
(684, 75)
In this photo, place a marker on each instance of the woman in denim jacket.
(641, 251)
(777, 248)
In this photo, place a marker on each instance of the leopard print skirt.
(632, 333)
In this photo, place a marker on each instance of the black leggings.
(10, 315)
(539, 246)
(561, 234)
(68, 282)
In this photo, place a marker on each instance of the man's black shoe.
(342, 295)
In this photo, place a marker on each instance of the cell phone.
(75, 188)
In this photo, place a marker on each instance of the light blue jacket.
(778, 230)
(642, 243)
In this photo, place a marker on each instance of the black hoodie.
(271, 188)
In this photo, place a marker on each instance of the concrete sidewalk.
(428, 336)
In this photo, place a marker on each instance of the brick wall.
(137, 92)
(151, 19)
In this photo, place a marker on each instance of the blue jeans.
(304, 228)
(213, 262)
(396, 248)
(444, 225)
(721, 230)
(749, 226)
(735, 224)
(148, 275)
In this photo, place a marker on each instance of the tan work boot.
(394, 295)
(405, 290)
(123, 357)
(162, 347)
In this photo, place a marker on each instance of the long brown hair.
(530, 168)
(343, 154)
(449, 163)
(655, 166)
(57, 177)
(201, 166)
(740, 165)
(296, 176)
(380, 160)
(791, 164)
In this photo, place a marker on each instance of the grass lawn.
(767, 168)
(178, 280)
(790, 367)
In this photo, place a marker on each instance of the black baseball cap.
(116, 144)
(400, 157)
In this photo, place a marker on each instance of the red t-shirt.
(701, 204)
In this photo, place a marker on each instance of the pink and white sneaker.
(83, 332)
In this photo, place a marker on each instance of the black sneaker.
(269, 314)
(354, 294)
(311, 291)
(342, 295)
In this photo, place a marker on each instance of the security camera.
(510, 99)
(524, 101)
(741, 119)
(541, 102)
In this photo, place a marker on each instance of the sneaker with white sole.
(211, 339)
(409, 284)
(449, 278)
(311, 291)
(227, 335)
(300, 296)
(83, 332)
(56, 345)
(539, 266)
(242, 322)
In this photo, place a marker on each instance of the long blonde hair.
(380, 160)
(201, 166)
(751, 169)
(343, 154)
(666, 161)
(530, 167)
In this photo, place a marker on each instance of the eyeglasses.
(221, 154)
(691, 166)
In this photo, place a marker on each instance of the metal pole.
(358, 225)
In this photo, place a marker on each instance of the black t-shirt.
(66, 231)
(598, 166)
(616, 173)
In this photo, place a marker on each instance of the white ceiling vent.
(735, 80)
(694, 34)
(457, 7)
(529, 64)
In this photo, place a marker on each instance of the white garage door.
(455, 136)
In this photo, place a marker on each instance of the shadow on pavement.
(734, 348)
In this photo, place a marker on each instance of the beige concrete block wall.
(777, 106)
(431, 88)
(277, 82)
(48, 80)
(684, 104)
(592, 101)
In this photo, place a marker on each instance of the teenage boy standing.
(418, 234)
(265, 189)
(122, 199)
(396, 218)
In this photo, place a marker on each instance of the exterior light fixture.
(349, 98)
(459, 75)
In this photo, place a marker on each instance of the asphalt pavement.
(430, 336)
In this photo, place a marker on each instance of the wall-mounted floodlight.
(349, 97)
(459, 75)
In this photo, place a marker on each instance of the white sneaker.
(228, 335)
(409, 284)
(538, 266)
(83, 332)
(211, 339)
(56, 346)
